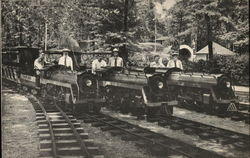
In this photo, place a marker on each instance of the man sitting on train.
(98, 63)
(38, 66)
(115, 61)
(175, 62)
(157, 62)
(39, 62)
(66, 60)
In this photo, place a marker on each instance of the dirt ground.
(20, 138)
(19, 130)
(113, 146)
(212, 145)
(226, 123)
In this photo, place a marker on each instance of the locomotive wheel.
(205, 136)
(236, 118)
(34, 91)
(25, 88)
(43, 92)
(152, 113)
(124, 106)
(97, 108)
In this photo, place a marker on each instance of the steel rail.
(52, 135)
(78, 137)
(212, 130)
(145, 138)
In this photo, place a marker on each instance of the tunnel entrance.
(184, 54)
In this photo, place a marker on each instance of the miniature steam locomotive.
(77, 89)
(150, 91)
(137, 90)
(205, 92)
(157, 90)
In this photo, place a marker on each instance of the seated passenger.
(39, 62)
(66, 60)
(38, 66)
(98, 63)
(115, 61)
(175, 62)
(157, 62)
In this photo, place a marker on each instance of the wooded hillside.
(124, 23)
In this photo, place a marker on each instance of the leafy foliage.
(237, 67)
(102, 25)
(187, 21)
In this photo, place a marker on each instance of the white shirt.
(38, 64)
(172, 63)
(66, 60)
(116, 62)
(154, 64)
(97, 65)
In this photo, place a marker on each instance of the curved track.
(204, 131)
(61, 134)
(155, 142)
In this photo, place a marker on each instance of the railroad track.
(153, 142)
(204, 131)
(61, 134)
(241, 115)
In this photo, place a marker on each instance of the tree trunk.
(125, 29)
(125, 20)
(209, 37)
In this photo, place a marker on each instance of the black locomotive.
(150, 91)
(204, 92)
(137, 90)
(74, 89)
(155, 91)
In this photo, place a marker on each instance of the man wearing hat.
(115, 61)
(175, 62)
(98, 63)
(65, 59)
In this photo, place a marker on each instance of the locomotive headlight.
(88, 83)
(228, 84)
(160, 85)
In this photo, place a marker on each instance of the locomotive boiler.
(76, 89)
(141, 91)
